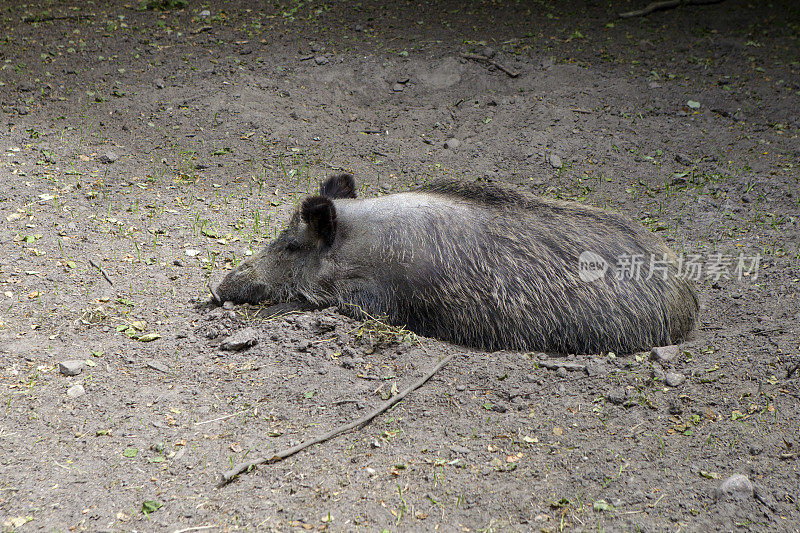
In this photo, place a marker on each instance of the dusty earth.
(158, 148)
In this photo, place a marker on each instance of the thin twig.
(47, 18)
(219, 418)
(347, 400)
(760, 497)
(229, 475)
(103, 272)
(195, 528)
(476, 57)
(666, 4)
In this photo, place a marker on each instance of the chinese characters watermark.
(714, 266)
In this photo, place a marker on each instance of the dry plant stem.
(195, 528)
(103, 272)
(476, 57)
(229, 475)
(666, 4)
(56, 17)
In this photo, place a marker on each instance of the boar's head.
(292, 267)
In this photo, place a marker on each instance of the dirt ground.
(157, 148)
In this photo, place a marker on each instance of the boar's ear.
(320, 215)
(339, 186)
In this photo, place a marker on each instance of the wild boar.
(479, 265)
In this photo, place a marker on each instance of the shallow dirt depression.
(145, 151)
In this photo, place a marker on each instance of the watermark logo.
(591, 266)
(714, 266)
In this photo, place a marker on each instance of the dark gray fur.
(475, 264)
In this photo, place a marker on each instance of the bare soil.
(159, 148)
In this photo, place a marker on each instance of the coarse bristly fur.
(475, 264)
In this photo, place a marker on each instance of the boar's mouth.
(297, 303)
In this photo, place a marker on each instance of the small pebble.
(596, 367)
(562, 372)
(108, 157)
(76, 391)
(159, 366)
(304, 346)
(555, 161)
(205, 13)
(616, 396)
(654, 85)
(664, 354)
(683, 159)
(244, 338)
(679, 180)
(452, 144)
(488, 52)
(72, 367)
(397, 87)
(736, 487)
(675, 379)
(159, 83)
(321, 60)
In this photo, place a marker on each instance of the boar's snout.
(238, 286)
(215, 298)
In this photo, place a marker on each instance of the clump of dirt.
(148, 149)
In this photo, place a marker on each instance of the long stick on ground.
(103, 272)
(666, 4)
(476, 57)
(237, 469)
